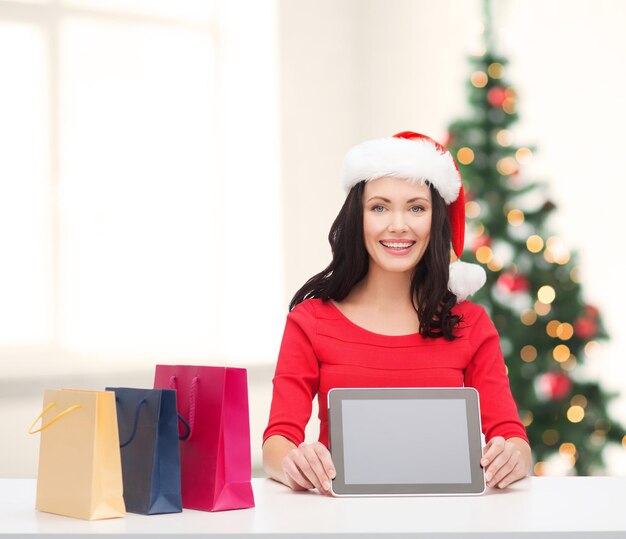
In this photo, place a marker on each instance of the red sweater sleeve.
(296, 379)
(486, 372)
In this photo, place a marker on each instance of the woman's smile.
(397, 247)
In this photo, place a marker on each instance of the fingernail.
(488, 477)
(333, 474)
(483, 462)
(326, 485)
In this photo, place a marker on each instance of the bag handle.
(54, 419)
(188, 433)
(193, 393)
(136, 423)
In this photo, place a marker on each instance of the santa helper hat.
(418, 158)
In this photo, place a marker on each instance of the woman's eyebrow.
(408, 201)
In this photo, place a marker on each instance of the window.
(139, 187)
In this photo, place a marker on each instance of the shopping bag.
(148, 431)
(80, 470)
(216, 467)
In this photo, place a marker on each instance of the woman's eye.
(417, 209)
(378, 209)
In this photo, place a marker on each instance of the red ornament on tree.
(585, 328)
(496, 96)
(553, 386)
(513, 282)
(586, 325)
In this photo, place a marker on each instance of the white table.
(538, 507)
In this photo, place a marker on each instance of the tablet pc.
(405, 441)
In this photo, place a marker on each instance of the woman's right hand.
(309, 466)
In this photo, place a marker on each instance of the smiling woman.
(391, 311)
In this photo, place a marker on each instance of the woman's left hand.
(503, 463)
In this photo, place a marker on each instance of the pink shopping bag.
(216, 468)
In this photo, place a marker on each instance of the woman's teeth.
(397, 245)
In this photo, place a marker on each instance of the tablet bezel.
(335, 428)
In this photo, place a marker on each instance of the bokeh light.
(504, 138)
(506, 166)
(550, 436)
(551, 328)
(561, 353)
(495, 70)
(534, 243)
(569, 363)
(508, 106)
(528, 353)
(565, 331)
(575, 414)
(484, 254)
(472, 209)
(523, 156)
(542, 308)
(546, 294)
(515, 217)
(528, 317)
(479, 79)
(556, 251)
(568, 453)
(465, 155)
(495, 264)
(567, 449)
(526, 417)
(591, 348)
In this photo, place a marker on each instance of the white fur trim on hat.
(416, 160)
(465, 279)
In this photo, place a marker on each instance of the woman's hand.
(309, 466)
(505, 461)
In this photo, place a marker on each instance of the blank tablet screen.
(405, 441)
(371, 427)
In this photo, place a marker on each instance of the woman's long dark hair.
(350, 264)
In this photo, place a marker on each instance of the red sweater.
(322, 349)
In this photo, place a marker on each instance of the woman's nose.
(397, 223)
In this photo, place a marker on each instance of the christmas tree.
(533, 292)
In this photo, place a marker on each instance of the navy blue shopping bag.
(148, 427)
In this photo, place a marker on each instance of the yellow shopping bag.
(80, 469)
